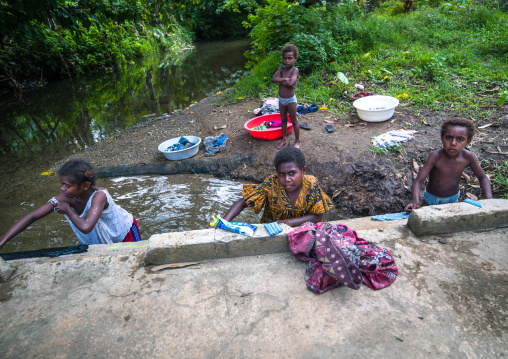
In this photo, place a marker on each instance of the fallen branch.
(497, 153)
(174, 265)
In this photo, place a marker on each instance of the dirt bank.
(360, 180)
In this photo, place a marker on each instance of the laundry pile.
(338, 257)
(391, 138)
(215, 144)
(271, 105)
(182, 144)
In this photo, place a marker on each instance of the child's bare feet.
(297, 144)
(282, 143)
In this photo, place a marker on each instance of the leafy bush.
(391, 7)
(49, 45)
(321, 33)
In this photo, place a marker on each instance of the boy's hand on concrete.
(412, 206)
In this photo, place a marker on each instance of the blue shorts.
(432, 200)
(287, 101)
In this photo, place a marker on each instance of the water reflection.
(159, 203)
(177, 203)
(76, 113)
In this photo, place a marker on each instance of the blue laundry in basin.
(182, 144)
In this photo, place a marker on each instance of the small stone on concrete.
(5, 271)
(442, 241)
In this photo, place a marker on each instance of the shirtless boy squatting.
(445, 166)
(287, 77)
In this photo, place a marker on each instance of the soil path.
(360, 180)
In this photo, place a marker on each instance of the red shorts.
(133, 234)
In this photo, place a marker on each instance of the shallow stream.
(159, 203)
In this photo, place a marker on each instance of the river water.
(159, 203)
(40, 127)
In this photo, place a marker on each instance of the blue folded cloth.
(390, 216)
(273, 228)
(474, 203)
(220, 140)
(302, 109)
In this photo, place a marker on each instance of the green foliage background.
(48, 39)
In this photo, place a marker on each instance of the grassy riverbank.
(434, 57)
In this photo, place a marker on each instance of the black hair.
(459, 121)
(80, 170)
(290, 48)
(287, 155)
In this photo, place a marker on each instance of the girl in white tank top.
(90, 210)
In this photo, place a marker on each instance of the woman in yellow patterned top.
(289, 197)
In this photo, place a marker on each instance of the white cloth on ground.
(388, 139)
(270, 105)
(112, 226)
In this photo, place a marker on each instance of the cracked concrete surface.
(449, 301)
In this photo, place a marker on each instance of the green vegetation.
(396, 149)
(426, 57)
(500, 180)
(214, 19)
(47, 39)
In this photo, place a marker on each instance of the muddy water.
(75, 113)
(159, 203)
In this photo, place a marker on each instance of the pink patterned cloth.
(338, 257)
(277, 123)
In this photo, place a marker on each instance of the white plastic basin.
(182, 154)
(375, 108)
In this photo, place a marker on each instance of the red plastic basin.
(270, 133)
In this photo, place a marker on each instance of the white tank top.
(112, 226)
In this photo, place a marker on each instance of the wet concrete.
(449, 300)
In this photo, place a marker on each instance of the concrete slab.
(458, 217)
(449, 301)
(5, 271)
(216, 243)
(212, 243)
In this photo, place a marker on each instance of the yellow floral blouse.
(273, 198)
